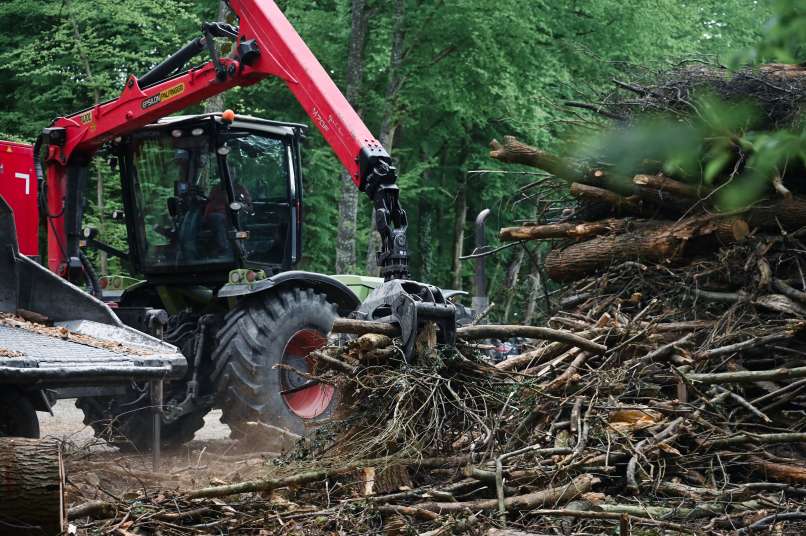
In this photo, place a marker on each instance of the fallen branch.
(269, 484)
(748, 376)
(530, 332)
(514, 152)
(756, 439)
(559, 495)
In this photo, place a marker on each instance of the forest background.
(435, 80)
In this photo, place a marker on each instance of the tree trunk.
(460, 216)
(425, 238)
(390, 116)
(535, 293)
(216, 102)
(31, 487)
(513, 273)
(99, 190)
(348, 202)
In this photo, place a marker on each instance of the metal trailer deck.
(51, 362)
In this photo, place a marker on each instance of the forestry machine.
(213, 213)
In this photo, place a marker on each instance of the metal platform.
(52, 362)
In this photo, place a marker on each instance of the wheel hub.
(305, 398)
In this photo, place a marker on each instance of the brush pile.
(666, 395)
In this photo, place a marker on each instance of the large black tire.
(17, 415)
(263, 331)
(126, 422)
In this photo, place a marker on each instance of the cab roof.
(244, 121)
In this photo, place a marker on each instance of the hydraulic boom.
(265, 44)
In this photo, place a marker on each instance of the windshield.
(190, 214)
(259, 170)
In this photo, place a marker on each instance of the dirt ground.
(96, 471)
(66, 424)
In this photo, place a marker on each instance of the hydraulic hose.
(90, 274)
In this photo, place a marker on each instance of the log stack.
(663, 220)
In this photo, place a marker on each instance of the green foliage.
(471, 72)
(784, 39)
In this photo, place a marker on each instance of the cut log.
(513, 151)
(666, 242)
(631, 204)
(31, 487)
(564, 230)
(363, 327)
(786, 213)
(679, 189)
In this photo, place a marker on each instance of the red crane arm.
(282, 53)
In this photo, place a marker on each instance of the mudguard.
(345, 299)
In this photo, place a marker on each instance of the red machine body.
(18, 186)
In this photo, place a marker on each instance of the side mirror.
(173, 206)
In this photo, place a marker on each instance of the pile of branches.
(703, 313)
(778, 90)
(667, 394)
(621, 415)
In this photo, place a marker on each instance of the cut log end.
(32, 494)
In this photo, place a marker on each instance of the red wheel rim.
(308, 402)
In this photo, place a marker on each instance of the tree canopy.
(468, 72)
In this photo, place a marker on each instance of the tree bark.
(513, 151)
(348, 201)
(564, 230)
(32, 487)
(662, 243)
(789, 214)
(460, 216)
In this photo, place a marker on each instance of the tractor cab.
(204, 196)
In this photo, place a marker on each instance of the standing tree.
(391, 112)
(348, 202)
